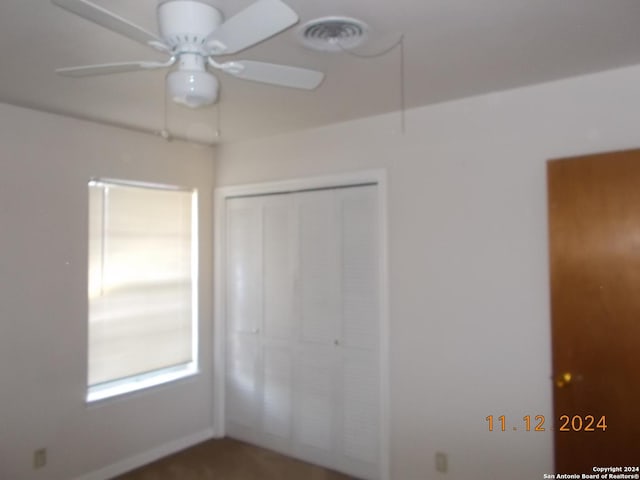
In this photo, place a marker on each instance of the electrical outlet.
(40, 458)
(441, 462)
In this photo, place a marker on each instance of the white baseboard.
(149, 456)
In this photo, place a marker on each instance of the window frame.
(142, 381)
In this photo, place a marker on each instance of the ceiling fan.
(192, 34)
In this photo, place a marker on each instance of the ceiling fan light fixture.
(193, 88)
(192, 33)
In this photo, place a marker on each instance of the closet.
(303, 326)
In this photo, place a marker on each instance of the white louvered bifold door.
(303, 355)
(360, 369)
(316, 412)
(279, 326)
(244, 312)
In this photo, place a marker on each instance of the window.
(142, 286)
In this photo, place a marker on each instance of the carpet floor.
(227, 459)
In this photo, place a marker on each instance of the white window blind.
(142, 284)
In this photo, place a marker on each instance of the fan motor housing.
(187, 22)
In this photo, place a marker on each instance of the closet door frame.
(351, 179)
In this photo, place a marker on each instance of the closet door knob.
(336, 342)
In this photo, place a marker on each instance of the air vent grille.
(333, 34)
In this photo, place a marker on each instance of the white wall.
(469, 314)
(45, 164)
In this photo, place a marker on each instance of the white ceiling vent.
(333, 34)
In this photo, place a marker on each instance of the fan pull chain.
(164, 133)
(403, 105)
(218, 131)
(400, 43)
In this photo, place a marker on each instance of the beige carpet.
(228, 459)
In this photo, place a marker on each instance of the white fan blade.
(257, 22)
(111, 21)
(109, 68)
(283, 75)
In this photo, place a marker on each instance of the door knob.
(563, 379)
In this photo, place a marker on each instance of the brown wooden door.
(594, 232)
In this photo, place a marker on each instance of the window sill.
(140, 382)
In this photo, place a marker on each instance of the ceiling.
(452, 49)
